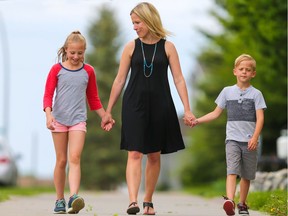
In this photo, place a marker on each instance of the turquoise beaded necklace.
(145, 65)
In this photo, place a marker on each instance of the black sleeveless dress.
(149, 118)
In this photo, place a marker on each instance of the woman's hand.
(189, 118)
(107, 122)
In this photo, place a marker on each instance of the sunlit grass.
(208, 190)
(6, 192)
(271, 202)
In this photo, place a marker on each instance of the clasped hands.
(189, 119)
(107, 122)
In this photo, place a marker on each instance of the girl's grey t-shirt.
(73, 87)
(70, 101)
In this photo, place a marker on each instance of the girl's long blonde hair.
(74, 36)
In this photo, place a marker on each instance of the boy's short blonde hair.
(245, 57)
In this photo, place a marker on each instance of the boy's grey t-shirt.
(241, 108)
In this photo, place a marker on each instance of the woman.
(149, 120)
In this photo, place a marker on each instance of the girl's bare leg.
(60, 140)
(76, 144)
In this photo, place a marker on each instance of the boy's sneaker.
(75, 204)
(243, 209)
(60, 207)
(229, 206)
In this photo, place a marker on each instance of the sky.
(36, 29)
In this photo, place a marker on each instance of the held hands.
(107, 122)
(189, 119)
(194, 123)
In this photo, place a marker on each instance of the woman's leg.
(76, 144)
(151, 177)
(133, 174)
(60, 140)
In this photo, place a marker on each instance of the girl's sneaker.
(60, 206)
(229, 206)
(75, 204)
(243, 209)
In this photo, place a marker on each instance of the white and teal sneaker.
(60, 206)
(75, 204)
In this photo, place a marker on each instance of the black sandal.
(149, 205)
(134, 209)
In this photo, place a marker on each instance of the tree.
(258, 28)
(103, 164)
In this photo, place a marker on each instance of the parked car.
(8, 166)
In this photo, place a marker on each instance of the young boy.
(245, 118)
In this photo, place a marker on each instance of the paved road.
(115, 203)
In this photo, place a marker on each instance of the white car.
(8, 166)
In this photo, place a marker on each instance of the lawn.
(271, 202)
(6, 192)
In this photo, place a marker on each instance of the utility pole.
(6, 79)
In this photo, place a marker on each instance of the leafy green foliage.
(103, 164)
(258, 28)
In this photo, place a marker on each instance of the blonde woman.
(150, 124)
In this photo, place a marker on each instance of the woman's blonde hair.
(150, 16)
(74, 36)
(245, 57)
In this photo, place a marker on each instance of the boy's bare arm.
(252, 144)
(210, 116)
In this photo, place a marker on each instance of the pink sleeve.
(50, 86)
(93, 99)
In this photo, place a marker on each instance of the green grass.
(209, 190)
(6, 192)
(271, 202)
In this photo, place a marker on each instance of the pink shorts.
(63, 128)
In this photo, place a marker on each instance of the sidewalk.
(115, 204)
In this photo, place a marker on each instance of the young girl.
(74, 81)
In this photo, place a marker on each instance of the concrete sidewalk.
(115, 204)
